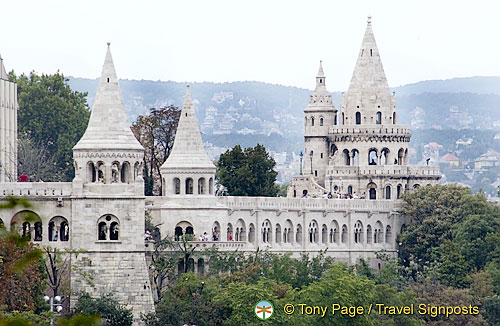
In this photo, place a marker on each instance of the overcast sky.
(272, 41)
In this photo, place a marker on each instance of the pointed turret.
(368, 92)
(108, 126)
(188, 151)
(320, 99)
(3, 72)
(108, 152)
(188, 170)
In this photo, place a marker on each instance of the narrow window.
(321, 121)
(358, 118)
(379, 117)
(371, 52)
(312, 122)
(108, 79)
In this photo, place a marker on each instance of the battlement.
(394, 171)
(379, 130)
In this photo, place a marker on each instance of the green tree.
(106, 307)
(51, 113)
(248, 172)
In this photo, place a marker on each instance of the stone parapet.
(394, 171)
(36, 189)
(378, 130)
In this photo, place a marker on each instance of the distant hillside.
(273, 114)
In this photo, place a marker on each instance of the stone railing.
(386, 170)
(379, 130)
(322, 204)
(36, 189)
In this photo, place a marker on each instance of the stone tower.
(108, 203)
(188, 171)
(320, 115)
(8, 127)
(367, 149)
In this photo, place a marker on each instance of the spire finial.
(369, 19)
(108, 43)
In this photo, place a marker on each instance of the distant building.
(450, 159)
(464, 141)
(489, 159)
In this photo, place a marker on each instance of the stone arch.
(267, 232)
(201, 186)
(183, 228)
(372, 156)
(379, 118)
(58, 229)
(334, 232)
(369, 234)
(384, 156)
(240, 230)
(298, 234)
(349, 190)
(388, 234)
(211, 186)
(372, 191)
(288, 232)
(108, 227)
(2, 224)
(347, 157)
(355, 157)
(189, 186)
(313, 232)
(388, 192)
(358, 232)
(324, 234)
(176, 186)
(333, 149)
(91, 172)
(101, 172)
(378, 232)
(321, 120)
(229, 232)
(251, 233)
(278, 233)
(399, 190)
(216, 231)
(125, 172)
(416, 186)
(115, 172)
(401, 154)
(343, 237)
(27, 222)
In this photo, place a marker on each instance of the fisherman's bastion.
(356, 151)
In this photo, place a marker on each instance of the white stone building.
(102, 211)
(8, 127)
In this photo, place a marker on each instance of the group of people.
(338, 195)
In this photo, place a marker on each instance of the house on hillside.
(450, 159)
(489, 159)
(464, 141)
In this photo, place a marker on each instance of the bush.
(112, 313)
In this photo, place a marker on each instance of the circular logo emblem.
(264, 310)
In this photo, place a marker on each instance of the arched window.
(312, 121)
(401, 154)
(298, 234)
(251, 233)
(313, 232)
(38, 231)
(399, 189)
(288, 232)
(201, 186)
(343, 118)
(189, 230)
(177, 186)
(125, 172)
(355, 157)
(229, 232)
(2, 225)
(278, 233)
(379, 118)
(115, 172)
(347, 158)
(388, 234)
(91, 172)
(378, 233)
(211, 186)
(344, 234)
(388, 192)
(394, 118)
(369, 235)
(333, 149)
(101, 172)
(19, 223)
(216, 231)
(358, 118)
(334, 232)
(349, 190)
(240, 230)
(321, 121)
(373, 193)
(324, 234)
(335, 120)
(201, 266)
(358, 232)
(58, 229)
(108, 228)
(189, 186)
(384, 156)
(267, 232)
(372, 156)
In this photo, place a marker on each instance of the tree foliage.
(156, 133)
(106, 307)
(51, 113)
(248, 172)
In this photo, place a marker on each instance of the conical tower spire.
(368, 91)
(3, 72)
(188, 151)
(108, 127)
(320, 70)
